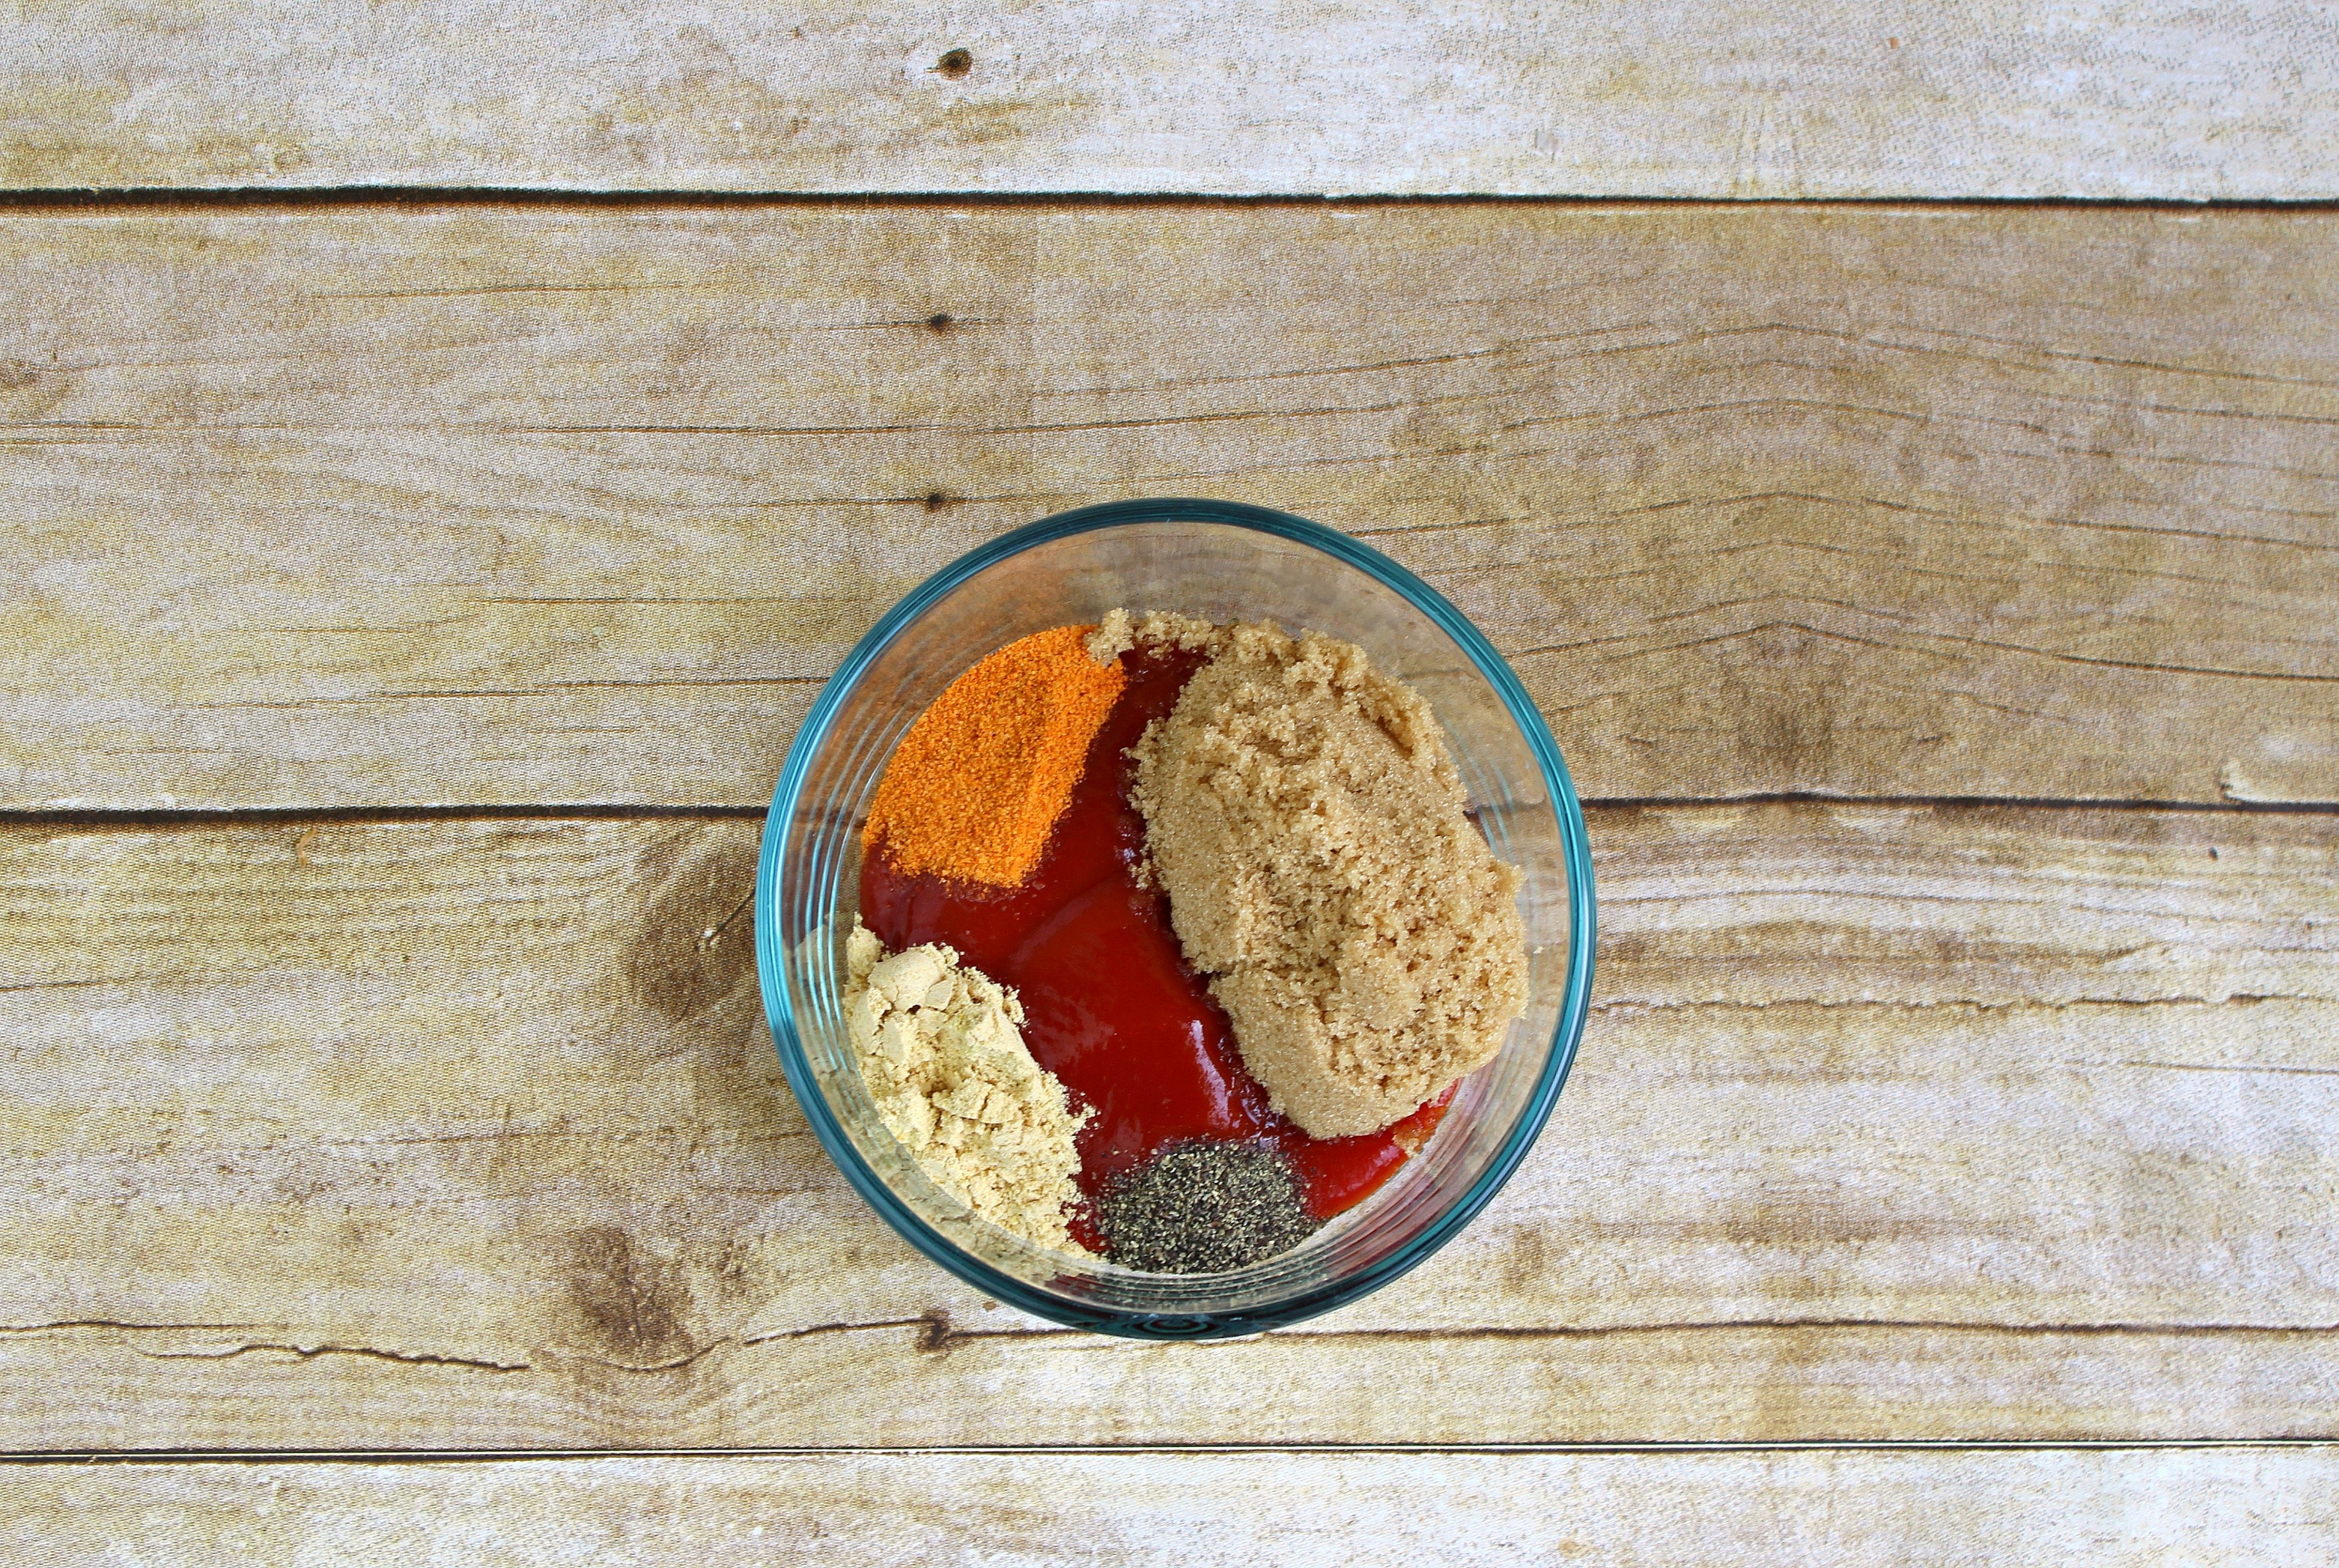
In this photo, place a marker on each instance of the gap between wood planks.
(592, 810)
(132, 1456)
(167, 197)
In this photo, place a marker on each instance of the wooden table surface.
(413, 587)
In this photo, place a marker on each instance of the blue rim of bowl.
(1566, 1033)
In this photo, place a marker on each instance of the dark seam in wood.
(1629, 1006)
(2236, 1067)
(551, 688)
(229, 818)
(862, 1453)
(935, 1335)
(66, 1325)
(199, 818)
(310, 1353)
(85, 198)
(1958, 802)
(1828, 1324)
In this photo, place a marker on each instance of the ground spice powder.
(974, 789)
(1203, 1207)
(942, 1050)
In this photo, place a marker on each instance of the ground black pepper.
(1202, 1207)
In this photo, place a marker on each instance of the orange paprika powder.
(974, 789)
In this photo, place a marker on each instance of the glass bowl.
(1226, 562)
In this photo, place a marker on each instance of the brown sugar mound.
(974, 789)
(1303, 814)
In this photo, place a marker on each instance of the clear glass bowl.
(1226, 562)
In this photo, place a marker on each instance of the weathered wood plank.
(2140, 1507)
(2232, 99)
(474, 505)
(1890, 1123)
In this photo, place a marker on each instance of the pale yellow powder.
(941, 1049)
(1303, 814)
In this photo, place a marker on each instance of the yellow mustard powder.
(941, 1047)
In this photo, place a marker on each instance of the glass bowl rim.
(1566, 1033)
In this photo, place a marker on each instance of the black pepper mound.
(1203, 1207)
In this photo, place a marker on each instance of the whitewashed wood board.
(1812, 1509)
(2232, 99)
(1889, 1123)
(461, 505)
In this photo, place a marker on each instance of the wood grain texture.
(1890, 1123)
(2236, 98)
(465, 505)
(2141, 1509)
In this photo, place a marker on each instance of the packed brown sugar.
(1303, 814)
